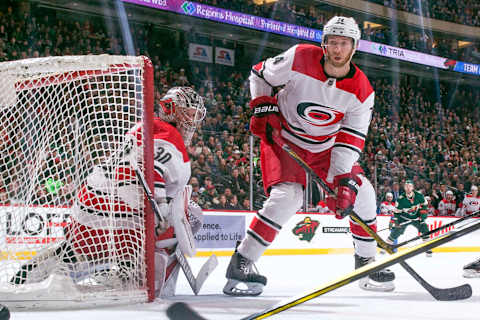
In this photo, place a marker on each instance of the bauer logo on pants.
(305, 229)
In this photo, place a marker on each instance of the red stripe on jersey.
(258, 67)
(358, 85)
(345, 137)
(263, 230)
(307, 61)
(157, 177)
(163, 131)
(101, 204)
(304, 135)
(358, 230)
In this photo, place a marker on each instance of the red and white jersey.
(431, 210)
(320, 112)
(447, 207)
(387, 207)
(469, 205)
(112, 187)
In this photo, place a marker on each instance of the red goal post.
(60, 117)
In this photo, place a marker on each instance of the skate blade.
(234, 288)
(471, 274)
(371, 285)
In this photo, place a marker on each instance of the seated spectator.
(447, 206)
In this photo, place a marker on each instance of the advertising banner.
(304, 233)
(224, 56)
(199, 52)
(202, 11)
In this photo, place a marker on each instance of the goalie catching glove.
(346, 188)
(265, 118)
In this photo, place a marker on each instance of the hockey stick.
(447, 294)
(208, 266)
(196, 283)
(448, 225)
(180, 310)
(406, 223)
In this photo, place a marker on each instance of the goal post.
(60, 119)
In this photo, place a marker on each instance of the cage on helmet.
(342, 26)
(184, 107)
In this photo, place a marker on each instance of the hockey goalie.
(104, 237)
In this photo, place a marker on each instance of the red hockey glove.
(346, 187)
(265, 118)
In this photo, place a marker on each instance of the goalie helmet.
(342, 26)
(184, 107)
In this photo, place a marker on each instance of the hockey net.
(59, 118)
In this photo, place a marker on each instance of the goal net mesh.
(60, 118)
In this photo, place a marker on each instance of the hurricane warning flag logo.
(305, 229)
(318, 115)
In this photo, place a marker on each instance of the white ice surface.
(292, 275)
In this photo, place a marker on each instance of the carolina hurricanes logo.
(318, 115)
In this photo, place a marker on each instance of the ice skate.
(381, 281)
(243, 277)
(472, 270)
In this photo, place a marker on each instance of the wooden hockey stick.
(179, 310)
(456, 293)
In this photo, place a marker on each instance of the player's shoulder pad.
(363, 88)
(165, 131)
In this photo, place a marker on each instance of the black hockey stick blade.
(455, 293)
(461, 292)
(4, 312)
(447, 294)
(183, 309)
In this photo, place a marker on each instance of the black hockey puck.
(4, 312)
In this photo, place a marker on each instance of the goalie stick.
(195, 282)
(448, 294)
(179, 310)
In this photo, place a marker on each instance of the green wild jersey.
(409, 208)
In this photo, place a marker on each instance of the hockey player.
(321, 103)
(410, 209)
(470, 204)
(447, 206)
(112, 193)
(387, 206)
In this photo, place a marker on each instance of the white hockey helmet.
(473, 188)
(449, 192)
(389, 195)
(184, 107)
(342, 26)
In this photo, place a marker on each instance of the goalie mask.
(184, 107)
